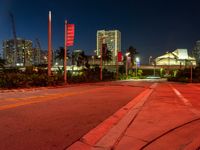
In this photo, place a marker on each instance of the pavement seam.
(169, 131)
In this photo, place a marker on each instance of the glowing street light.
(191, 68)
(137, 60)
(127, 54)
(150, 57)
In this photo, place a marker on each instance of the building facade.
(112, 38)
(196, 51)
(178, 57)
(19, 55)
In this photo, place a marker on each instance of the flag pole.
(65, 54)
(49, 44)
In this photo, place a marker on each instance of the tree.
(106, 53)
(133, 53)
(2, 63)
(79, 58)
(60, 54)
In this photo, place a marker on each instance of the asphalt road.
(53, 119)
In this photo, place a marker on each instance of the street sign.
(70, 34)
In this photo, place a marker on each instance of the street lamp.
(127, 54)
(137, 60)
(93, 60)
(150, 57)
(154, 68)
(101, 55)
(191, 68)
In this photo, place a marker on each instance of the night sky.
(151, 26)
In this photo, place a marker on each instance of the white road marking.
(185, 101)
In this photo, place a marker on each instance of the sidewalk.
(155, 119)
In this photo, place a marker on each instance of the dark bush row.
(14, 78)
(185, 75)
(17, 80)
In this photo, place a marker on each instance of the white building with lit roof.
(179, 57)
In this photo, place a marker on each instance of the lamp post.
(127, 64)
(65, 54)
(101, 55)
(154, 68)
(137, 60)
(49, 45)
(150, 57)
(191, 68)
(93, 60)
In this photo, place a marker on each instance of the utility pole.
(127, 54)
(65, 54)
(150, 57)
(101, 54)
(117, 67)
(191, 69)
(154, 68)
(49, 45)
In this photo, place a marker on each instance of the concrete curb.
(109, 132)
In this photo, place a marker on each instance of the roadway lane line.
(185, 101)
(35, 99)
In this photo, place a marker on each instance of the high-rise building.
(112, 38)
(196, 52)
(36, 56)
(22, 55)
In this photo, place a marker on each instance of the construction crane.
(15, 39)
(38, 51)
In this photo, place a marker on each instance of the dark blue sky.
(151, 26)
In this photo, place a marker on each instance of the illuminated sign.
(70, 34)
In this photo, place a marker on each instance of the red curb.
(96, 134)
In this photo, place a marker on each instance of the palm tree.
(106, 53)
(60, 54)
(133, 53)
(79, 58)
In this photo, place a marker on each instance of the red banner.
(70, 34)
(119, 56)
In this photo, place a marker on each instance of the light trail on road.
(48, 97)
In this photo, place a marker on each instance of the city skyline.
(151, 27)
